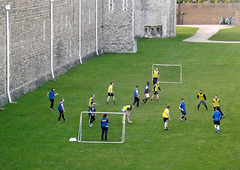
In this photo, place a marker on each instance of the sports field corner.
(32, 138)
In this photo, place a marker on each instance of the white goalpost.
(177, 67)
(120, 119)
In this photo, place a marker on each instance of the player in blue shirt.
(146, 92)
(61, 110)
(136, 96)
(91, 114)
(51, 96)
(217, 116)
(104, 126)
(182, 107)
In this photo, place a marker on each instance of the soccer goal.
(116, 128)
(168, 73)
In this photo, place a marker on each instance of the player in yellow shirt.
(156, 87)
(166, 116)
(155, 75)
(91, 100)
(216, 104)
(127, 110)
(110, 93)
(202, 99)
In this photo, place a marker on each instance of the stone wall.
(153, 13)
(30, 40)
(205, 13)
(3, 97)
(118, 27)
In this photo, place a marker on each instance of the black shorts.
(165, 119)
(155, 80)
(110, 94)
(216, 122)
(155, 92)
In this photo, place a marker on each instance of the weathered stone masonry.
(30, 38)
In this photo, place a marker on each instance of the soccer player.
(110, 93)
(136, 96)
(146, 92)
(127, 110)
(91, 114)
(217, 116)
(216, 104)
(166, 116)
(91, 100)
(202, 99)
(155, 75)
(104, 126)
(51, 96)
(156, 87)
(182, 107)
(61, 110)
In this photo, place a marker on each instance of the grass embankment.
(229, 34)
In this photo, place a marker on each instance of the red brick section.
(207, 13)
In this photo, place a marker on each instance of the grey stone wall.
(3, 97)
(30, 35)
(118, 27)
(30, 43)
(156, 12)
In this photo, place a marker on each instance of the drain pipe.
(96, 20)
(80, 30)
(7, 7)
(51, 4)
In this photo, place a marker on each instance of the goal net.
(168, 73)
(116, 128)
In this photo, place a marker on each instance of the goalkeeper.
(156, 87)
(155, 75)
(104, 126)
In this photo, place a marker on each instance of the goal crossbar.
(116, 113)
(171, 65)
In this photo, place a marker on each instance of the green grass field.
(229, 34)
(31, 137)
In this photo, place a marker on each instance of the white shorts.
(123, 111)
(147, 95)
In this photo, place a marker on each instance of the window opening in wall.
(111, 4)
(125, 5)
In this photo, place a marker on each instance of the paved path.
(205, 32)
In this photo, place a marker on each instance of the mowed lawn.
(31, 137)
(229, 34)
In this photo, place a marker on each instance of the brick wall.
(205, 13)
(237, 17)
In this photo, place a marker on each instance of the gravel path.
(205, 32)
